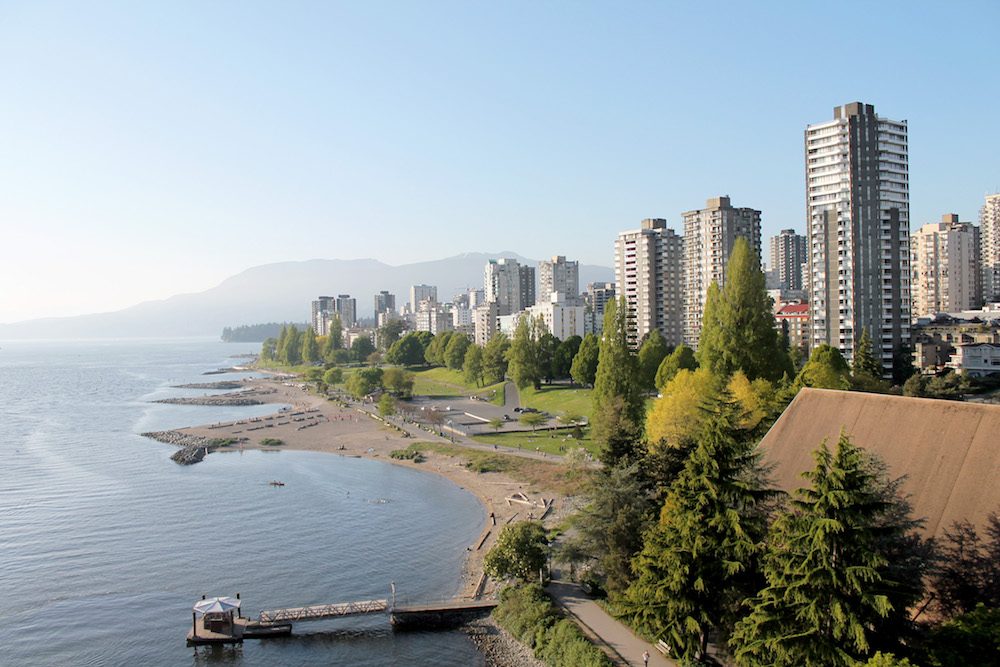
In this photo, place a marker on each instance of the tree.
(361, 348)
(407, 351)
(701, 560)
(398, 381)
(969, 574)
(333, 375)
(615, 387)
(310, 351)
(611, 527)
(546, 349)
(434, 352)
(737, 328)
(864, 362)
(902, 364)
(825, 597)
(682, 358)
(496, 423)
(334, 339)
(389, 333)
(562, 360)
(386, 406)
(269, 350)
(584, 367)
(677, 415)
(970, 639)
(651, 355)
(523, 355)
(826, 369)
(291, 352)
(533, 419)
(454, 354)
(495, 358)
(521, 551)
(364, 381)
(472, 365)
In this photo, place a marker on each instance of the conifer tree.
(584, 367)
(495, 358)
(618, 401)
(701, 560)
(824, 597)
(334, 339)
(682, 358)
(651, 355)
(310, 350)
(737, 330)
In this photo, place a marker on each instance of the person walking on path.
(645, 658)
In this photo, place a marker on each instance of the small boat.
(276, 483)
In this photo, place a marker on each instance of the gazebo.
(218, 623)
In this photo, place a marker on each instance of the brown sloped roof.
(949, 450)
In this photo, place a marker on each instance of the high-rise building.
(857, 197)
(947, 275)
(709, 238)
(322, 308)
(420, 293)
(347, 307)
(509, 285)
(598, 294)
(384, 303)
(788, 256)
(989, 243)
(558, 275)
(648, 276)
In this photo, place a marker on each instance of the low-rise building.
(976, 359)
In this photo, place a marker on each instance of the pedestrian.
(645, 657)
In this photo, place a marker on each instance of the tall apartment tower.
(857, 198)
(420, 293)
(709, 237)
(989, 243)
(322, 307)
(384, 303)
(788, 254)
(348, 309)
(648, 276)
(558, 275)
(947, 273)
(509, 285)
(596, 297)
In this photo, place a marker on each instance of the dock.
(318, 612)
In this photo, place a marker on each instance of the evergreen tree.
(824, 598)
(737, 327)
(495, 358)
(701, 561)
(562, 360)
(583, 370)
(547, 347)
(310, 350)
(651, 355)
(472, 366)
(291, 353)
(282, 338)
(826, 369)
(618, 400)
(682, 358)
(334, 339)
(523, 357)
(864, 362)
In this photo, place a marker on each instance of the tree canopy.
(521, 550)
(583, 370)
(619, 401)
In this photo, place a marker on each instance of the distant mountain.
(277, 293)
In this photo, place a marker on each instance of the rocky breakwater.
(193, 447)
(233, 398)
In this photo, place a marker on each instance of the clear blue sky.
(155, 148)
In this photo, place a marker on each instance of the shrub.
(414, 455)
(270, 442)
(221, 442)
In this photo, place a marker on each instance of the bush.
(221, 442)
(414, 455)
(486, 464)
(270, 442)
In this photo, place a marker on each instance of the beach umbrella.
(216, 605)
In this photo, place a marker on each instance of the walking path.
(625, 647)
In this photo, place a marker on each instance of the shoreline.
(313, 423)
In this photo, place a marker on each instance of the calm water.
(105, 543)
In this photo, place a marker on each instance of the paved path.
(625, 647)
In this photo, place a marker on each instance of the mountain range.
(279, 292)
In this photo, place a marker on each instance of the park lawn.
(443, 382)
(543, 440)
(556, 399)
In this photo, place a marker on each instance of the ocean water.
(105, 543)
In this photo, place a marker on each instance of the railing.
(325, 611)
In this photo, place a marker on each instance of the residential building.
(648, 277)
(709, 238)
(563, 317)
(432, 316)
(788, 259)
(384, 303)
(558, 275)
(976, 359)
(509, 285)
(989, 239)
(347, 308)
(793, 320)
(322, 308)
(857, 194)
(420, 293)
(485, 321)
(947, 273)
(595, 298)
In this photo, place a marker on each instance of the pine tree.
(618, 400)
(824, 597)
(310, 350)
(701, 560)
(737, 330)
(334, 339)
(864, 361)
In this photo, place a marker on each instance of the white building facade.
(648, 276)
(947, 273)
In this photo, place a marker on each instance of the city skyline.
(161, 149)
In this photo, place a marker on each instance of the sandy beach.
(313, 423)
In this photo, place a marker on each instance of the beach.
(313, 423)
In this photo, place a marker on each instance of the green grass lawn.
(556, 399)
(440, 382)
(545, 441)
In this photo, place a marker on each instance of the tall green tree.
(472, 366)
(825, 596)
(291, 353)
(407, 351)
(826, 369)
(310, 350)
(389, 333)
(701, 561)
(547, 347)
(269, 350)
(454, 354)
(434, 352)
(865, 362)
(618, 400)
(495, 358)
(524, 356)
(682, 358)
(584, 367)
(521, 550)
(364, 381)
(651, 355)
(562, 360)
(361, 347)
(737, 328)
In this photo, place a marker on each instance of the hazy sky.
(155, 148)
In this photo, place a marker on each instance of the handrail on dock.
(325, 611)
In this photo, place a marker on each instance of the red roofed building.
(793, 319)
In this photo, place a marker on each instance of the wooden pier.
(318, 612)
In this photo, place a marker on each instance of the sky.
(156, 148)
